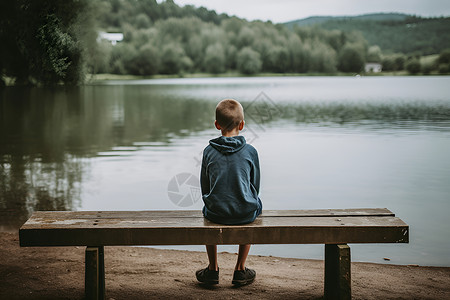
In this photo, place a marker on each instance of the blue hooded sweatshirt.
(230, 181)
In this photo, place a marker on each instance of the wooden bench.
(332, 227)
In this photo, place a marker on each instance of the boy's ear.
(241, 125)
(217, 125)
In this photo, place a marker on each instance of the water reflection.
(48, 138)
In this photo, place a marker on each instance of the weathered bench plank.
(68, 215)
(154, 229)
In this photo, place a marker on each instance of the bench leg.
(94, 281)
(337, 272)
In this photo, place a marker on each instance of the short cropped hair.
(229, 113)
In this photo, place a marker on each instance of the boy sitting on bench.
(230, 179)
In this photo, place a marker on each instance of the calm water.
(324, 142)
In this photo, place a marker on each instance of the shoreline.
(96, 78)
(150, 273)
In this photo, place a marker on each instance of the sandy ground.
(145, 273)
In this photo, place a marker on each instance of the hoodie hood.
(228, 145)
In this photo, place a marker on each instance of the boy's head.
(229, 115)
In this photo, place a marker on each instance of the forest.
(59, 43)
(167, 39)
(394, 33)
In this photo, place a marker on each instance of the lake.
(323, 142)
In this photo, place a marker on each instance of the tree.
(145, 61)
(40, 41)
(231, 57)
(248, 61)
(121, 56)
(245, 37)
(444, 57)
(99, 59)
(173, 59)
(322, 58)
(142, 21)
(351, 59)
(400, 62)
(189, 39)
(413, 66)
(278, 59)
(388, 63)
(374, 54)
(393, 62)
(443, 61)
(214, 61)
(194, 49)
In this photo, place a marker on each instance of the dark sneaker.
(207, 276)
(243, 277)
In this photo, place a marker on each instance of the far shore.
(93, 78)
(147, 273)
(98, 78)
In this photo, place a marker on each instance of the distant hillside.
(316, 20)
(392, 32)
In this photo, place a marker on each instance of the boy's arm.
(204, 178)
(255, 173)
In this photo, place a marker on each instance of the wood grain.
(109, 228)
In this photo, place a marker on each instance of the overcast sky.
(279, 11)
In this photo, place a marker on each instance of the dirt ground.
(145, 273)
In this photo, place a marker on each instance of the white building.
(111, 37)
(373, 68)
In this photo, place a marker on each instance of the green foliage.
(444, 69)
(120, 55)
(277, 59)
(393, 62)
(58, 41)
(145, 61)
(245, 38)
(57, 46)
(43, 42)
(443, 62)
(444, 57)
(351, 59)
(189, 39)
(142, 21)
(248, 61)
(391, 32)
(174, 60)
(413, 66)
(214, 59)
(374, 54)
